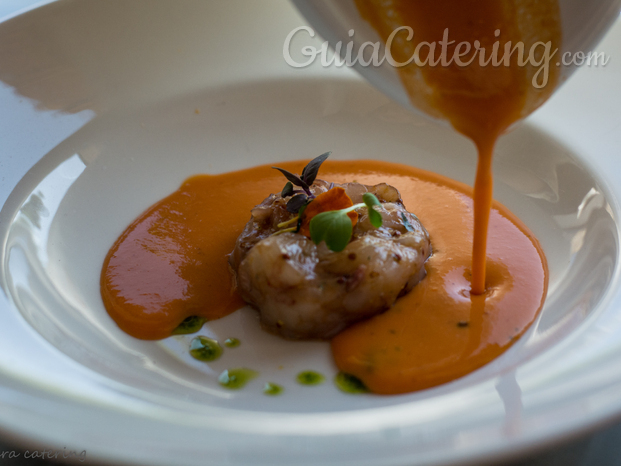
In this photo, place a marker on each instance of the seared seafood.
(306, 291)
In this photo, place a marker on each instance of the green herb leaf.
(310, 171)
(333, 227)
(287, 190)
(374, 216)
(370, 200)
(406, 223)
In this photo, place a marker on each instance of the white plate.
(115, 86)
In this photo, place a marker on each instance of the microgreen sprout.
(286, 224)
(335, 227)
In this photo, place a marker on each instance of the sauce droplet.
(350, 384)
(310, 378)
(190, 325)
(272, 389)
(205, 349)
(235, 379)
(232, 342)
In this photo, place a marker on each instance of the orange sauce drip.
(480, 100)
(171, 263)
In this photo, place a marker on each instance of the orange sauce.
(171, 263)
(440, 330)
(480, 100)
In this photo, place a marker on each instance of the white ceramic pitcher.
(584, 23)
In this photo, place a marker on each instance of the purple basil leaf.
(296, 203)
(293, 178)
(310, 171)
(287, 190)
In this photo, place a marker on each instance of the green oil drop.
(205, 349)
(236, 378)
(350, 384)
(272, 389)
(190, 325)
(310, 378)
(232, 342)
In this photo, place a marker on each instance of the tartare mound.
(307, 291)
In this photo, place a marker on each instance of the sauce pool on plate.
(171, 263)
